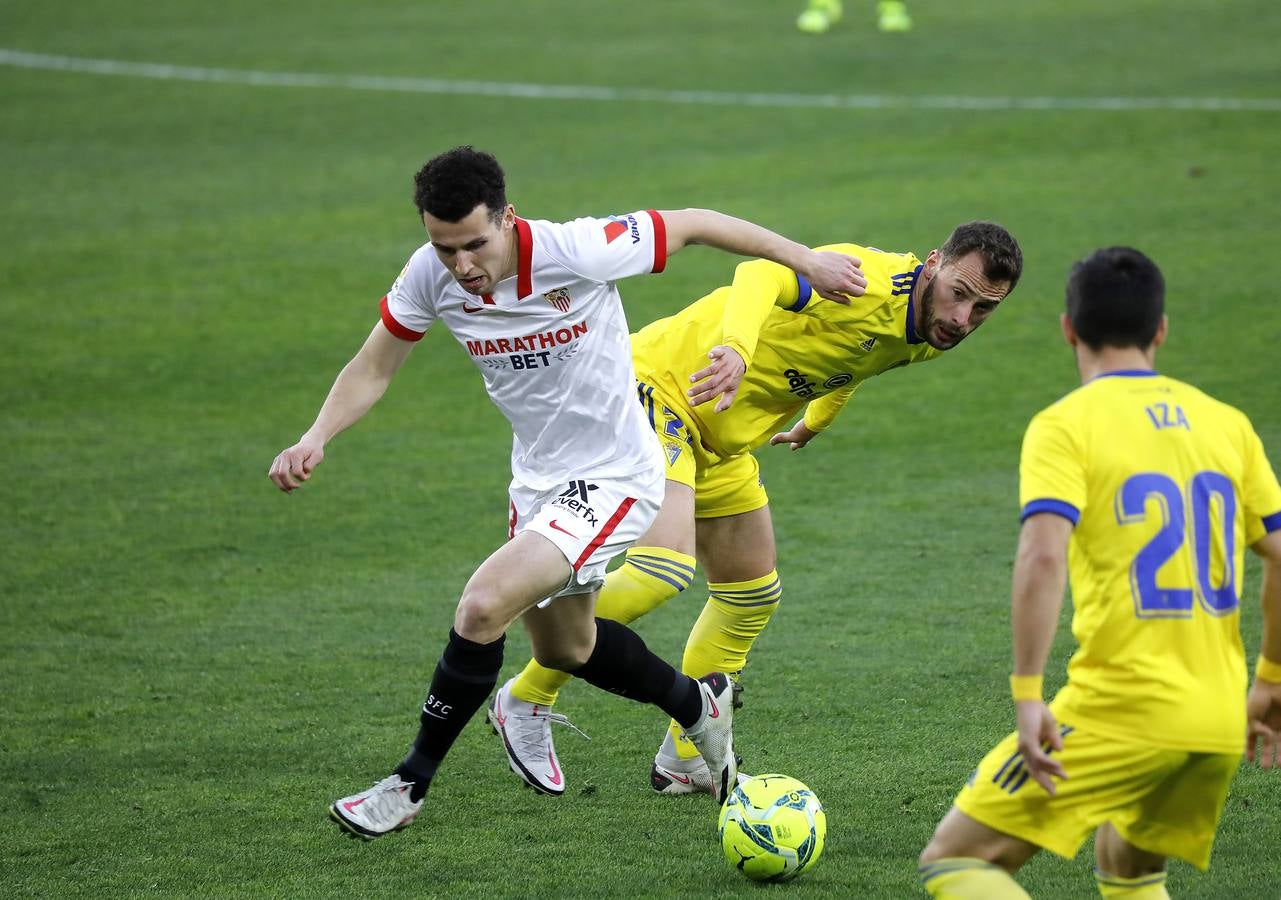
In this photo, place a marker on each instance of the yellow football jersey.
(800, 348)
(1166, 487)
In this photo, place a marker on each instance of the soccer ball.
(772, 828)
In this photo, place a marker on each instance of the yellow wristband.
(1267, 669)
(1026, 687)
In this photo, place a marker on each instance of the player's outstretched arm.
(833, 276)
(1040, 577)
(357, 388)
(1263, 704)
(758, 286)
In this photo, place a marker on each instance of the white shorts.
(590, 520)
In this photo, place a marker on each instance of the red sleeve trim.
(524, 259)
(400, 331)
(660, 241)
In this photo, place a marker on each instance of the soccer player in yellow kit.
(775, 350)
(1146, 492)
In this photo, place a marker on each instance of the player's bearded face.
(939, 334)
(479, 250)
(957, 300)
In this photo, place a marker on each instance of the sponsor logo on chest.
(798, 383)
(523, 352)
(801, 385)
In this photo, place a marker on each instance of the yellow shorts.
(723, 485)
(1167, 802)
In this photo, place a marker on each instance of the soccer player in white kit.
(535, 306)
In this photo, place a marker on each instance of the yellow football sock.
(1145, 887)
(648, 578)
(963, 878)
(735, 614)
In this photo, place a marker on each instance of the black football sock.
(621, 664)
(465, 675)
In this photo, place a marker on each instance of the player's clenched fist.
(294, 465)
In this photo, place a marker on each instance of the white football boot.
(670, 774)
(673, 775)
(713, 733)
(526, 730)
(383, 808)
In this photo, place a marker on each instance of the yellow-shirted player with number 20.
(776, 350)
(1145, 491)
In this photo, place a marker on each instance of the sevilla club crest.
(558, 298)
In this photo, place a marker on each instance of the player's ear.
(1161, 331)
(509, 217)
(1069, 333)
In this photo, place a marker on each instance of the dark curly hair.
(1002, 258)
(1116, 298)
(454, 183)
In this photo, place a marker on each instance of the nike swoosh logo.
(683, 779)
(554, 778)
(498, 712)
(715, 713)
(349, 806)
(471, 309)
(562, 530)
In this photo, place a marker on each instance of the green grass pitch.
(194, 665)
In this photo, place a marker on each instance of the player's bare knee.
(1116, 856)
(941, 844)
(958, 836)
(481, 617)
(931, 853)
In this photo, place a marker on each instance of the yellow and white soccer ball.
(772, 828)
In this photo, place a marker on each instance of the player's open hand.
(720, 378)
(835, 276)
(294, 465)
(797, 438)
(1263, 717)
(1038, 737)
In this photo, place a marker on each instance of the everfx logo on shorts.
(577, 500)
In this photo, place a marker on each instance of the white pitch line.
(21, 60)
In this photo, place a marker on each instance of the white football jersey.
(551, 342)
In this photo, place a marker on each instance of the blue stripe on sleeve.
(1058, 507)
(1272, 523)
(805, 291)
